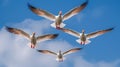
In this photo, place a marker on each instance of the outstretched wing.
(71, 51)
(74, 11)
(47, 52)
(46, 37)
(71, 32)
(98, 33)
(18, 32)
(42, 13)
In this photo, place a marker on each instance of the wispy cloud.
(15, 53)
(81, 62)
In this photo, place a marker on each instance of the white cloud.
(15, 53)
(37, 26)
(83, 63)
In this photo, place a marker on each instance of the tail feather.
(31, 45)
(87, 41)
(60, 60)
(80, 42)
(61, 25)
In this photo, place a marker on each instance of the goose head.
(60, 56)
(33, 34)
(59, 52)
(83, 30)
(60, 13)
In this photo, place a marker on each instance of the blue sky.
(103, 51)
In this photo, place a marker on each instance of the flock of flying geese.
(59, 25)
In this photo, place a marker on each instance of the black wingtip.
(79, 48)
(30, 6)
(85, 3)
(53, 36)
(38, 50)
(8, 28)
(56, 35)
(111, 28)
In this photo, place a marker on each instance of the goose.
(84, 38)
(60, 55)
(58, 20)
(32, 38)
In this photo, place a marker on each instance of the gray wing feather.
(74, 11)
(47, 52)
(18, 32)
(71, 51)
(42, 13)
(71, 32)
(46, 37)
(98, 33)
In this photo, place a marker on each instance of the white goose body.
(32, 41)
(84, 38)
(58, 20)
(32, 38)
(60, 55)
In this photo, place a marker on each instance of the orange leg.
(80, 42)
(32, 46)
(58, 27)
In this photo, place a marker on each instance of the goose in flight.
(60, 55)
(58, 20)
(32, 38)
(84, 38)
